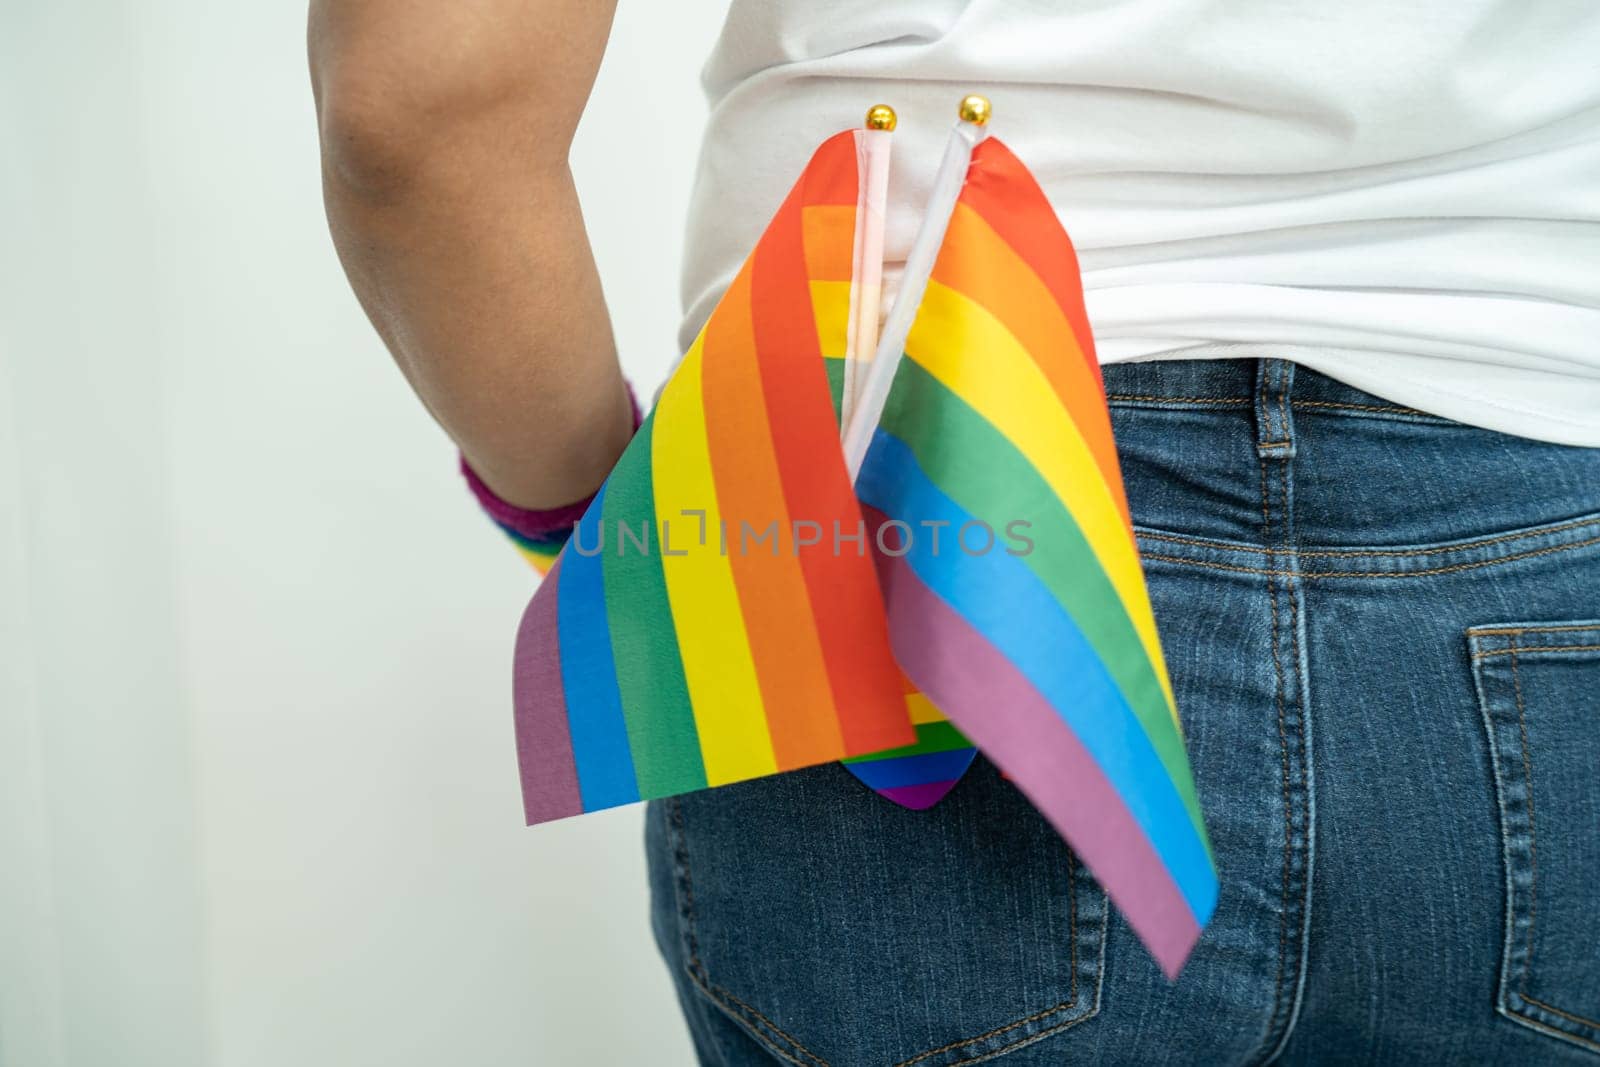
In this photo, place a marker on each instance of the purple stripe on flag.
(918, 797)
(544, 746)
(1005, 716)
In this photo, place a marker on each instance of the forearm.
(445, 131)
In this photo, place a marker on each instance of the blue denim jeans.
(1383, 629)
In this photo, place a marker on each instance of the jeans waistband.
(1203, 383)
(1265, 452)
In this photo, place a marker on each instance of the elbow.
(381, 132)
(393, 114)
(371, 145)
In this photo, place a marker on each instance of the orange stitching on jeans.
(1201, 543)
(1299, 682)
(1072, 999)
(1231, 400)
(815, 1059)
(1535, 648)
(1065, 1024)
(1283, 747)
(1035, 1017)
(1283, 414)
(1219, 566)
(1239, 401)
(1396, 409)
(1546, 1028)
(1457, 567)
(1499, 630)
(697, 970)
(1072, 928)
(1521, 535)
(699, 976)
(1313, 575)
(1564, 1014)
(1533, 837)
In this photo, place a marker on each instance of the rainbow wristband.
(538, 533)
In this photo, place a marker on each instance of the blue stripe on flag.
(1005, 602)
(912, 770)
(589, 675)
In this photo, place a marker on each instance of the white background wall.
(258, 796)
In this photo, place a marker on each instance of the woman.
(1341, 264)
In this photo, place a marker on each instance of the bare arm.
(445, 131)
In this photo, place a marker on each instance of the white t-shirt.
(1402, 194)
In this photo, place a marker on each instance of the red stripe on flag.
(842, 588)
(1005, 193)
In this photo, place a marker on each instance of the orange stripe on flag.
(978, 263)
(790, 668)
(829, 241)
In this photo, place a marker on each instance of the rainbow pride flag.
(918, 775)
(1042, 648)
(701, 625)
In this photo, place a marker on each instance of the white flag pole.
(873, 146)
(947, 184)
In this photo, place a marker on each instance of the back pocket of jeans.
(1539, 689)
(837, 927)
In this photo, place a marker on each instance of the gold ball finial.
(975, 109)
(881, 117)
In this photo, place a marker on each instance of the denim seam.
(1283, 750)
(1276, 443)
(1513, 652)
(1302, 741)
(1499, 631)
(1580, 1019)
(1034, 1038)
(1533, 844)
(697, 972)
(1556, 1032)
(1215, 403)
(1314, 575)
(1070, 1002)
(1337, 405)
(1492, 727)
(1533, 836)
(762, 1022)
(1520, 535)
(1284, 381)
(757, 1023)
(1496, 770)
(1231, 401)
(1281, 442)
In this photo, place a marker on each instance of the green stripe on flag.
(835, 369)
(931, 737)
(655, 698)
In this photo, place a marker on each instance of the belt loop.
(1274, 423)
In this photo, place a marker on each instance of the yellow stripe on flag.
(922, 710)
(717, 665)
(831, 303)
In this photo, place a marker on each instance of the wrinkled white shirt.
(1402, 194)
